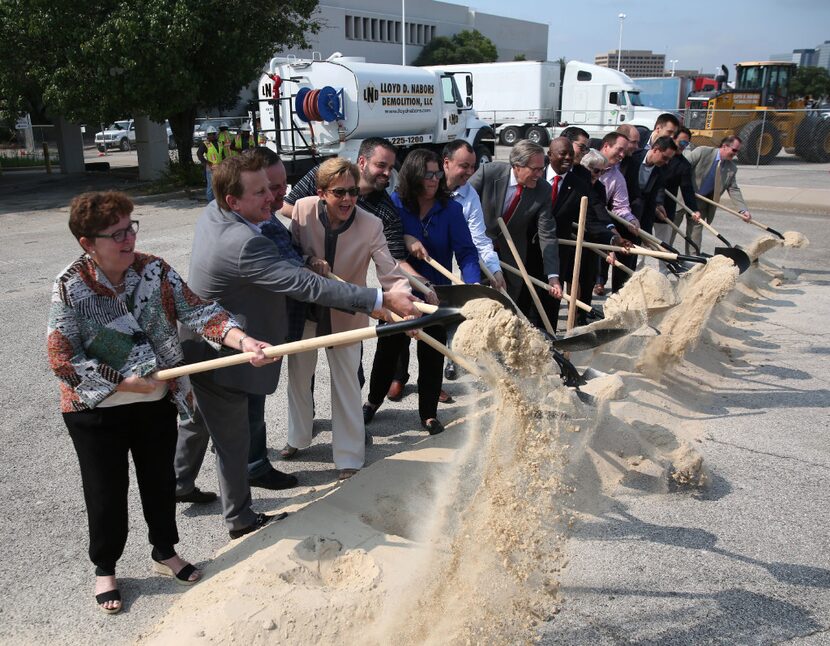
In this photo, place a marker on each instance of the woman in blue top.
(430, 215)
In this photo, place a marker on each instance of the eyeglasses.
(340, 193)
(581, 147)
(597, 171)
(120, 235)
(535, 169)
(433, 174)
(735, 150)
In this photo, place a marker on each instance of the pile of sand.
(646, 291)
(699, 289)
(767, 241)
(795, 239)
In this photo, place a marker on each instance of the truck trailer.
(527, 100)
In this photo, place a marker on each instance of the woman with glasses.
(436, 225)
(112, 324)
(340, 238)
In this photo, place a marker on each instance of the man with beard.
(375, 160)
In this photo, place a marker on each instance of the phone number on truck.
(408, 141)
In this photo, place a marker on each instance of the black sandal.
(287, 452)
(182, 576)
(109, 595)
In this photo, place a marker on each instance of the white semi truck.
(312, 109)
(525, 99)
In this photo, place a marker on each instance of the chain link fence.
(769, 136)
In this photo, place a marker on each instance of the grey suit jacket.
(532, 216)
(701, 158)
(245, 273)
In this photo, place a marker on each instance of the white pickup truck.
(121, 134)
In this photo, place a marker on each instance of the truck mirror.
(469, 101)
(469, 88)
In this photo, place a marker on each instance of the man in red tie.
(516, 191)
(568, 189)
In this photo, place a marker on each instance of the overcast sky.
(700, 34)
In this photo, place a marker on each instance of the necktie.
(511, 208)
(555, 192)
(718, 183)
(707, 186)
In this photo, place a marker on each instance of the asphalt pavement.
(745, 563)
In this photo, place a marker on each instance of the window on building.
(350, 27)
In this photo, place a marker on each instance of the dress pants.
(587, 278)
(103, 437)
(348, 435)
(694, 230)
(430, 370)
(258, 462)
(222, 416)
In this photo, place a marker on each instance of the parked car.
(121, 134)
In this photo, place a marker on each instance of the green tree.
(463, 47)
(810, 81)
(97, 60)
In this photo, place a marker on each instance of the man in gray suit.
(715, 172)
(518, 192)
(234, 263)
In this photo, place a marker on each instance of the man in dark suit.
(646, 167)
(568, 189)
(677, 177)
(234, 263)
(517, 192)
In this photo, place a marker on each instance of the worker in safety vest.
(210, 155)
(243, 140)
(225, 140)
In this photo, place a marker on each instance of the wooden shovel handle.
(732, 211)
(329, 340)
(617, 263)
(437, 266)
(703, 222)
(644, 235)
(542, 314)
(637, 251)
(542, 285)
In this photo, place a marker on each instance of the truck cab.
(598, 99)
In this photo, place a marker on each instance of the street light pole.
(619, 45)
(673, 62)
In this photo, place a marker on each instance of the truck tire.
(819, 151)
(804, 138)
(124, 144)
(483, 155)
(757, 147)
(538, 135)
(102, 148)
(510, 135)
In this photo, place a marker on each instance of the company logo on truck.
(416, 97)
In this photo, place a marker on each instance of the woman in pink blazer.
(339, 238)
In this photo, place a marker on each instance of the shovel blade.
(736, 255)
(590, 340)
(457, 296)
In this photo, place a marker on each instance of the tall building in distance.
(372, 29)
(818, 56)
(636, 63)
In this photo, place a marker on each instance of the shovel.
(654, 241)
(735, 213)
(703, 222)
(453, 299)
(737, 256)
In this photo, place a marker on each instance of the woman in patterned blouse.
(112, 324)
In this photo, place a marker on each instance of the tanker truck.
(314, 109)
